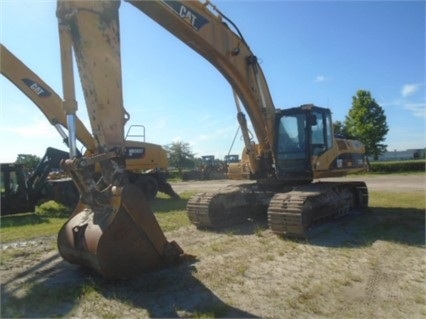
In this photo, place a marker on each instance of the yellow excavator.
(115, 231)
(147, 162)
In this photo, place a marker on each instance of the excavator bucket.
(117, 243)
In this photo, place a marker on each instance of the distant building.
(410, 154)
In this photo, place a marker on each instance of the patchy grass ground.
(362, 266)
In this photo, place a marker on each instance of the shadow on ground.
(399, 225)
(56, 289)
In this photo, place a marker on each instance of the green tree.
(180, 155)
(339, 128)
(366, 121)
(30, 161)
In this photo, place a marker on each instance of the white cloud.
(320, 78)
(417, 109)
(410, 89)
(205, 118)
(39, 128)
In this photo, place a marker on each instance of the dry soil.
(354, 267)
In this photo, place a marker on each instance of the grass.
(49, 217)
(171, 214)
(46, 227)
(413, 200)
(45, 221)
(215, 311)
(393, 217)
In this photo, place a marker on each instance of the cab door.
(292, 147)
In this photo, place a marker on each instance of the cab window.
(291, 136)
(321, 133)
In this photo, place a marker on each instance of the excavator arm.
(90, 29)
(116, 232)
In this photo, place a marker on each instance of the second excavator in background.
(114, 231)
(146, 162)
(22, 191)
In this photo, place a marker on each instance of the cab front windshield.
(301, 135)
(291, 137)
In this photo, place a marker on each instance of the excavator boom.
(146, 161)
(38, 91)
(205, 29)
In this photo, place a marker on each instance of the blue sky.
(318, 52)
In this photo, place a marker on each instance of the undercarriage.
(292, 211)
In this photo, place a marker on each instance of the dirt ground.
(360, 266)
(396, 183)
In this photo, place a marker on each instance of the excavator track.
(228, 206)
(290, 213)
(294, 213)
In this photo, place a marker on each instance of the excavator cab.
(306, 148)
(302, 132)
